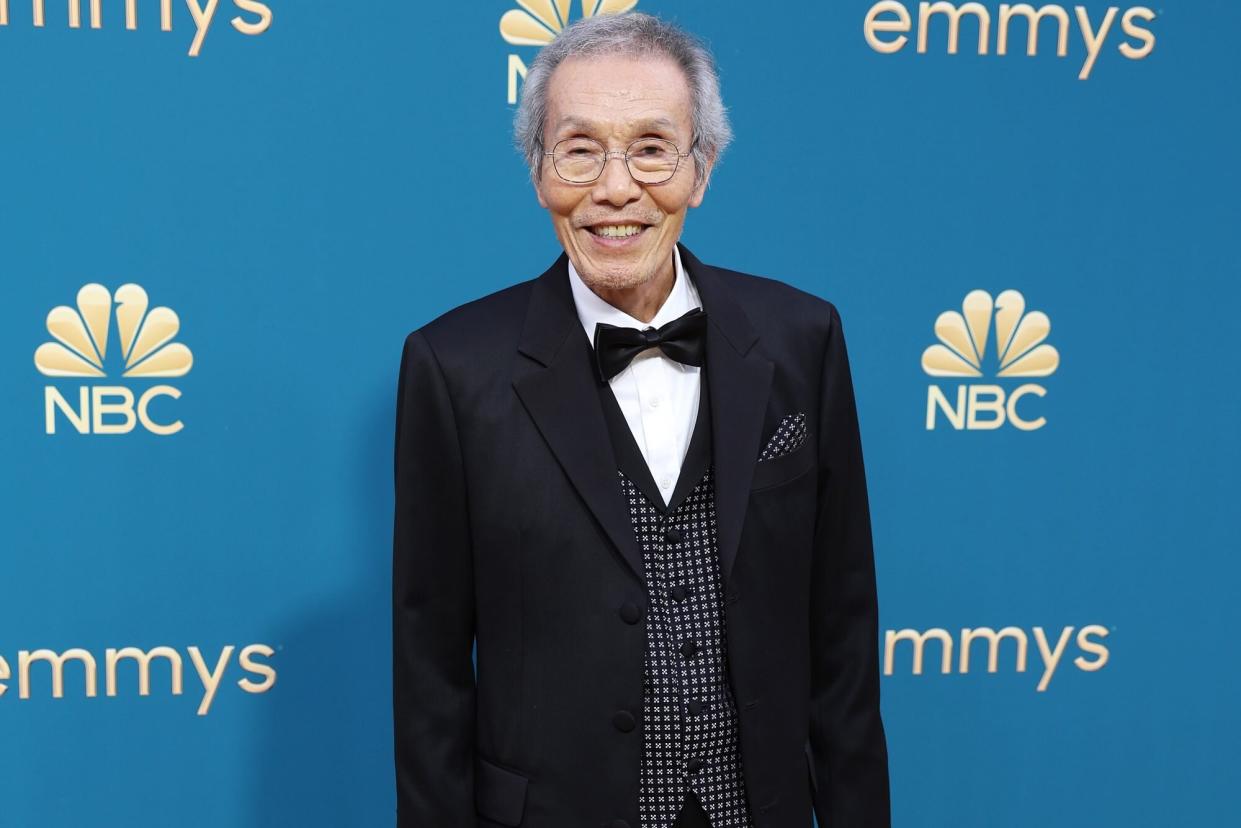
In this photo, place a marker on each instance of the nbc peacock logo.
(144, 349)
(538, 22)
(1020, 352)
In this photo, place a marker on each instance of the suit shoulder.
(772, 304)
(480, 326)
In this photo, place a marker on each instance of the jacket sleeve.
(433, 679)
(849, 751)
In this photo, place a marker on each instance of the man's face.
(615, 100)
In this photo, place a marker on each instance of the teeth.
(617, 230)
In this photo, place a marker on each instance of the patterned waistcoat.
(689, 717)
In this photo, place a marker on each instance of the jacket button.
(630, 613)
(693, 765)
(623, 720)
(678, 592)
(689, 648)
(673, 535)
(695, 707)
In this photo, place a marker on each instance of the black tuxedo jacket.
(510, 526)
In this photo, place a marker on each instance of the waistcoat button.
(623, 720)
(680, 561)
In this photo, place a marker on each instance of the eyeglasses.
(649, 160)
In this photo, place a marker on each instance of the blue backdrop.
(283, 192)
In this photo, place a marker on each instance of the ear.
(538, 191)
(700, 191)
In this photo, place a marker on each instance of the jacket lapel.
(562, 397)
(740, 380)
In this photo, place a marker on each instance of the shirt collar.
(591, 308)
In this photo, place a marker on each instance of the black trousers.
(692, 815)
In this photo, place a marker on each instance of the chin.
(622, 271)
(614, 276)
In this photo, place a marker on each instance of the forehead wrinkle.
(608, 107)
(623, 97)
(637, 124)
(624, 129)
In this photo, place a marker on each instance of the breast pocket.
(783, 469)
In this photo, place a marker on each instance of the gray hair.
(633, 33)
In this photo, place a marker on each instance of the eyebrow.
(644, 125)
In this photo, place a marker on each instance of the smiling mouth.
(616, 231)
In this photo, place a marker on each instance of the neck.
(644, 300)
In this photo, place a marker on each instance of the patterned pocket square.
(788, 436)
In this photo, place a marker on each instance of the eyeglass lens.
(650, 160)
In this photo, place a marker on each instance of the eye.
(648, 148)
(577, 147)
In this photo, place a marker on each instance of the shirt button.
(665, 482)
(689, 648)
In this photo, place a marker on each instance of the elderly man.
(636, 483)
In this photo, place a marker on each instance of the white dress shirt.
(658, 395)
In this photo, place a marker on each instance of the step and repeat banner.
(220, 218)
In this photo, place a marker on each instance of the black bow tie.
(682, 339)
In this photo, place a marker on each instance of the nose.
(615, 185)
